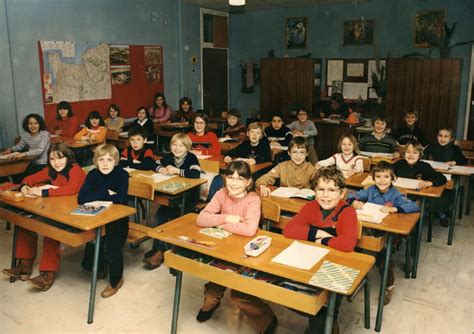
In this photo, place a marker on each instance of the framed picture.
(296, 32)
(359, 32)
(355, 70)
(429, 22)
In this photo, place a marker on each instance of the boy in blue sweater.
(136, 155)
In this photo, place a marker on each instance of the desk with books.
(51, 217)
(231, 250)
(9, 167)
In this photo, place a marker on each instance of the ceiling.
(223, 5)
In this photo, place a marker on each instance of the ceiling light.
(237, 2)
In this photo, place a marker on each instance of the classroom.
(151, 151)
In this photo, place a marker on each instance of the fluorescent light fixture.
(236, 2)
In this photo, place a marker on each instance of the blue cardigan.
(392, 196)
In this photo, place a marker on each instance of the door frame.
(210, 45)
(469, 108)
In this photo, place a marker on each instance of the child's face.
(254, 136)
(298, 155)
(56, 162)
(302, 116)
(277, 123)
(410, 119)
(347, 147)
(159, 101)
(178, 149)
(185, 107)
(106, 164)
(137, 142)
(412, 155)
(33, 125)
(383, 180)
(232, 120)
(444, 137)
(199, 125)
(236, 185)
(328, 194)
(95, 121)
(63, 113)
(141, 114)
(113, 113)
(380, 126)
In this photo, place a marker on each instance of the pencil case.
(257, 246)
(14, 196)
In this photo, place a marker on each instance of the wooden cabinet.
(430, 85)
(289, 81)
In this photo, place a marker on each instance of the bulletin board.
(351, 77)
(91, 76)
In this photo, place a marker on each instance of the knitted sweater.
(98, 133)
(97, 186)
(210, 139)
(222, 204)
(449, 152)
(68, 126)
(392, 198)
(308, 128)
(421, 170)
(305, 224)
(188, 165)
(290, 175)
(283, 135)
(35, 145)
(344, 163)
(370, 143)
(161, 114)
(142, 159)
(261, 152)
(238, 131)
(114, 124)
(404, 134)
(69, 181)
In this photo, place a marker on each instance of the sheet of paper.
(376, 154)
(158, 177)
(301, 255)
(406, 183)
(437, 164)
(463, 169)
(371, 213)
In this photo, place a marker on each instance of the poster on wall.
(75, 71)
(121, 75)
(119, 55)
(153, 64)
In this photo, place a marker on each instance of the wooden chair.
(112, 135)
(367, 164)
(137, 233)
(270, 213)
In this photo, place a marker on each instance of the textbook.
(92, 208)
(289, 192)
(371, 213)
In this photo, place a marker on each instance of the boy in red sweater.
(328, 220)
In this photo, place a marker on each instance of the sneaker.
(43, 281)
(109, 291)
(206, 315)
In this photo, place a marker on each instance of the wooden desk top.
(253, 169)
(434, 192)
(59, 209)
(192, 183)
(74, 143)
(231, 249)
(228, 145)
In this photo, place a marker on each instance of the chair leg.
(468, 196)
(461, 202)
(430, 226)
(367, 303)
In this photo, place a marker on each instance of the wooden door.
(215, 88)
(430, 85)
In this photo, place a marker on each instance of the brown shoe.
(110, 291)
(43, 281)
(154, 261)
(388, 296)
(22, 270)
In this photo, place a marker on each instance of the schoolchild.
(185, 113)
(379, 141)
(305, 127)
(277, 133)
(66, 123)
(235, 129)
(136, 155)
(160, 111)
(410, 130)
(143, 120)
(203, 141)
(94, 130)
(114, 122)
(445, 150)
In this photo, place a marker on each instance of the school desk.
(231, 250)
(223, 165)
(430, 192)
(228, 145)
(395, 223)
(169, 129)
(164, 196)
(9, 167)
(51, 217)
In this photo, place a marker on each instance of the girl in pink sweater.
(236, 208)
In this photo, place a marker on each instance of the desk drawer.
(53, 232)
(289, 298)
(375, 244)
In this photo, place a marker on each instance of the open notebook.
(289, 192)
(371, 213)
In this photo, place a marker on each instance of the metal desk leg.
(418, 238)
(177, 295)
(90, 314)
(13, 264)
(408, 257)
(383, 283)
(183, 203)
(367, 304)
(456, 181)
(330, 313)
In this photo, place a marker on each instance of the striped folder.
(334, 277)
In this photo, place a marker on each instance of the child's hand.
(172, 170)
(389, 209)
(251, 161)
(451, 163)
(226, 136)
(233, 219)
(7, 151)
(357, 204)
(17, 155)
(25, 190)
(35, 191)
(227, 159)
(264, 191)
(424, 184)
(111, 192)
(317, 166)
(275, 144)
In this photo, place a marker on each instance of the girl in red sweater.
(328, 220)
(66, 177)
(66, 123)
(204, 141)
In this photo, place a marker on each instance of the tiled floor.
(440, 300)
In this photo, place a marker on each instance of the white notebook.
(288, 192)
(371, 213)
(300, 255)
(407, 183)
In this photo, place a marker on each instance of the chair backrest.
(270, 210)
(467, 148)
(210, 166)
(141, 189)
(367, 164)
(112, 135)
